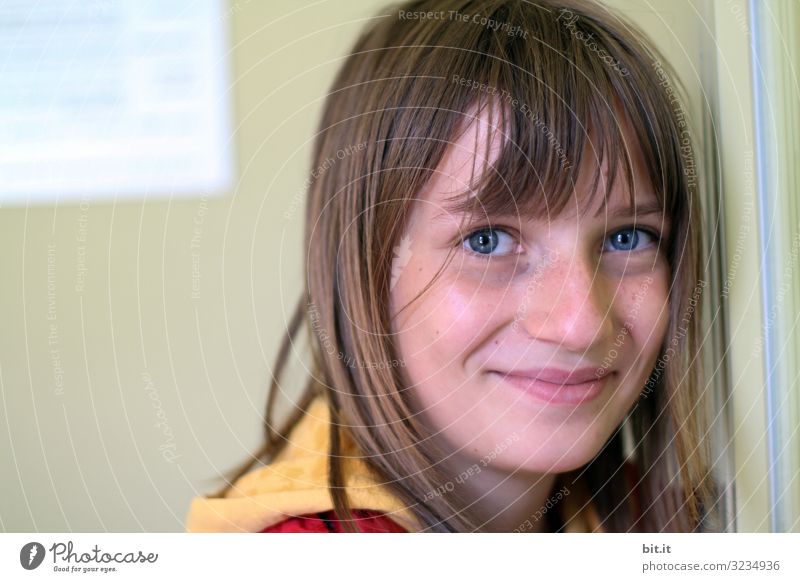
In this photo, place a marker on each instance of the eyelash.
(656, 236)
(650, 232)
(465, 241)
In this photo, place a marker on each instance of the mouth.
(556, 385)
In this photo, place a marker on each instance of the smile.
(555, 386)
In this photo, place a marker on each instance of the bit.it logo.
(31, 555)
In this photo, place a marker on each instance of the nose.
(567, 303)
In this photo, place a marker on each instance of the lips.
(559, 376)
(558, 385)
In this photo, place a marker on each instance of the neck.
(504, 501)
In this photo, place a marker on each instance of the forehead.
(479, 145)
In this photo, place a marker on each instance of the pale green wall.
(86, 456)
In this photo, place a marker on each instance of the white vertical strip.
(774, 54)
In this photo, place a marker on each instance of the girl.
(503, 252)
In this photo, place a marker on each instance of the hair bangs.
(559, 111)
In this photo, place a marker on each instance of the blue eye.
(627, 239)
(488, 240)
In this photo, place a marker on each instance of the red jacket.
(367, 521)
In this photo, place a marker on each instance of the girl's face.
(540, 334)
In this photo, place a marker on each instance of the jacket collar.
(295, 483)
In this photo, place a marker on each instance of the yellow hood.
(295, 483)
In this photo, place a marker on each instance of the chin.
(558, 457)
(568, 461)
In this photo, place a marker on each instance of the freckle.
(437, 332)
(418, 270)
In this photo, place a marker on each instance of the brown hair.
(404, 91)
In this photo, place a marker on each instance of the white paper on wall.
(102, 98)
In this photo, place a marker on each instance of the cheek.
(437, 335)
(451, 315)
(433, 325)
(646, 315)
